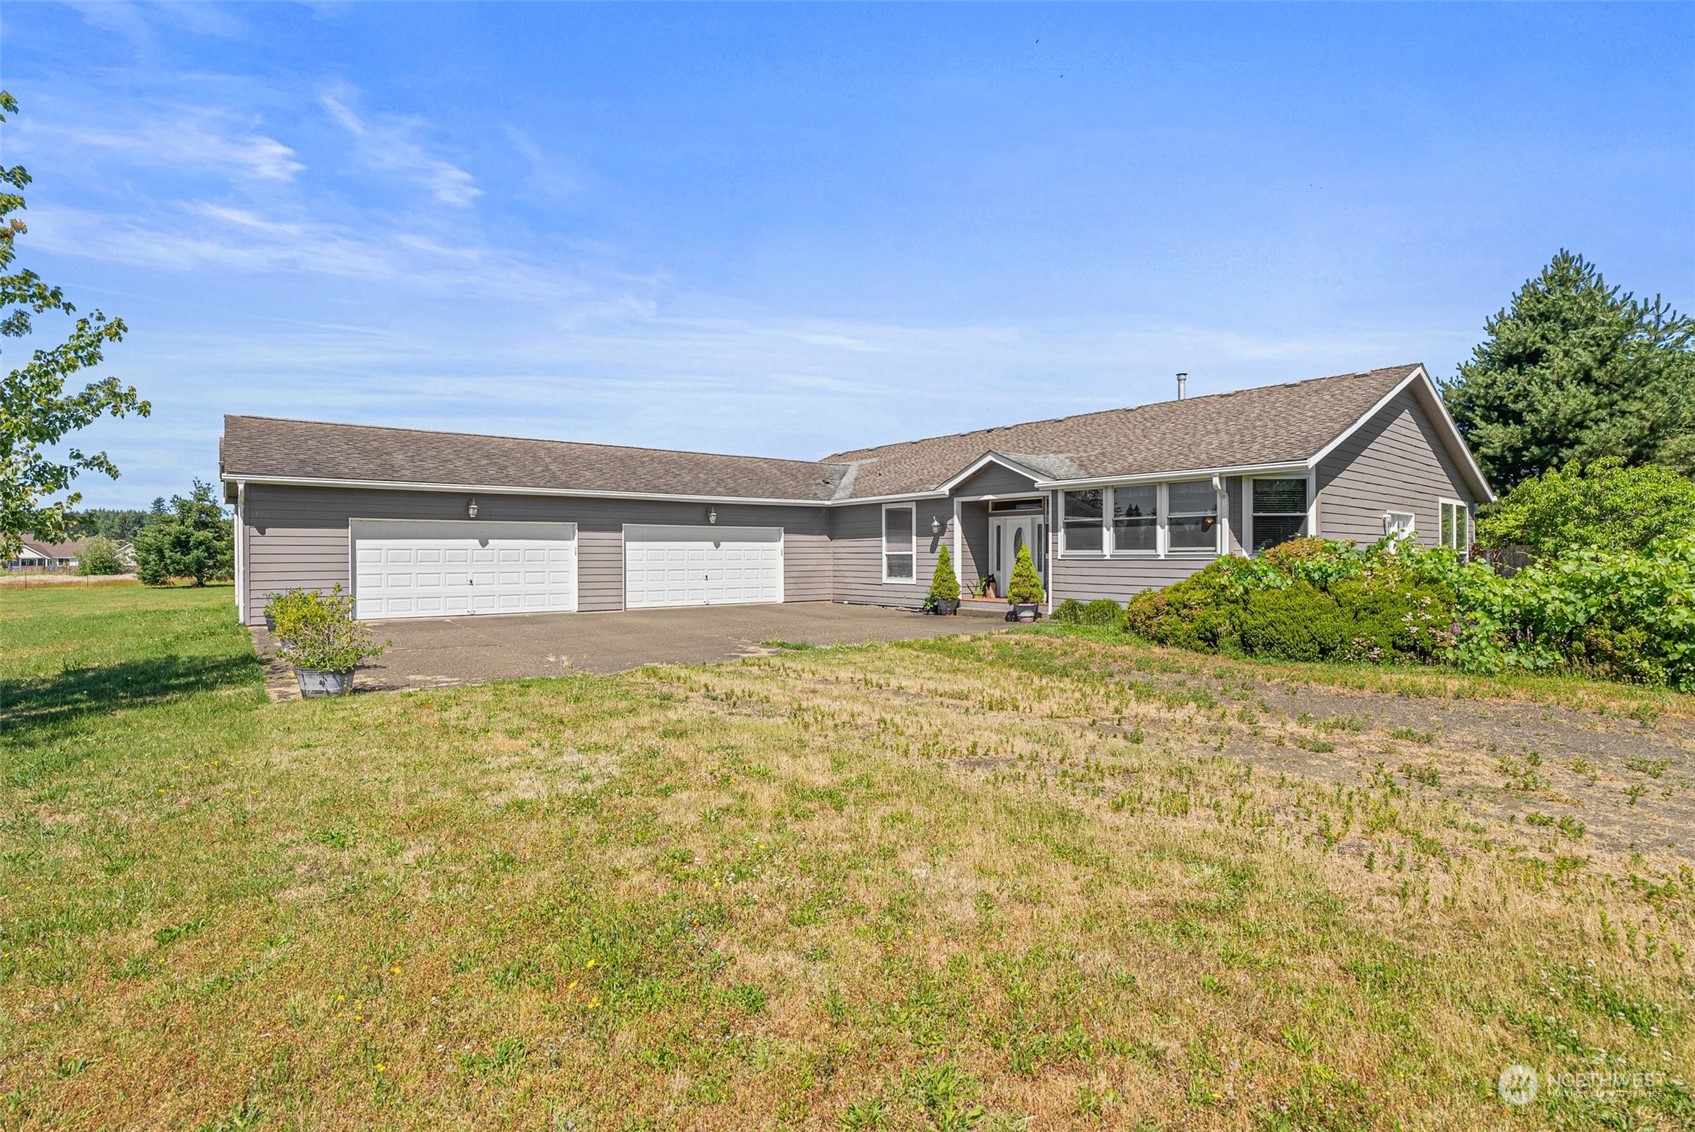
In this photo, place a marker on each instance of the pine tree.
(1575, 371)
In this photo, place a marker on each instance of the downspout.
(1221, 497)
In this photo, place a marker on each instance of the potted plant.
(279, 607)
(944, 586)
(324, 643)
(1024, 592)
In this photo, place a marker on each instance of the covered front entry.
(668, 566)
(423, 568)
(1011, 532)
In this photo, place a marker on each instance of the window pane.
(1135, 502)
(1279, 496)
(1447, 525)
(1197, 532)
(899, 566)
(1083, 537)
(897, 529)
(1136, 534)
(1082, 505)
(1269, 530)
(1195, 497)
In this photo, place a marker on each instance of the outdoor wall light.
(471, 509)
(712, 515)
(935, 525)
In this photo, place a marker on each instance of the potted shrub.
(279, 607)
(944, 587)
(324, 643)
(1024, 591)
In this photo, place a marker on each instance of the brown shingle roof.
(1268, 425)
(268, 447)
(1272, 424)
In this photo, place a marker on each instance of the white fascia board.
(570, 493)
(1179, 474)
(1368, 414)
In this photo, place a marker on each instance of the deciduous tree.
(36, 413)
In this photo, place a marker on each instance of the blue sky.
(789, 230)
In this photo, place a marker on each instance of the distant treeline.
(118, 525)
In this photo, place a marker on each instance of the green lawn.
(1033, 880)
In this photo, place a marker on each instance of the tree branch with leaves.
(36, 412)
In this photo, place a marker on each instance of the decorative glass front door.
(1010, 533)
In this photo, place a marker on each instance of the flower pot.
(322, 682)
(1026, 613)
(945, 608)
(270, 623)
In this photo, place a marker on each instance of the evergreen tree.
(195, 539)
(1576, 371)
(944, 586)
(1025, 588)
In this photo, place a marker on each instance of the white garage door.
(435, 569)
(666, 566)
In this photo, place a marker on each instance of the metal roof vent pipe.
(1182, 385)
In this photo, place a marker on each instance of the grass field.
(1036, 880)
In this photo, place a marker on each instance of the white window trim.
(1165, 517)
(1461, 508)
(1065, 550)
(1408, 531)
(1109, 541)
(883, 536)
(1248, 507)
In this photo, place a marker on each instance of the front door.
(1008, 534)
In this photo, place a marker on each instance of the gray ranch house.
(437, 524)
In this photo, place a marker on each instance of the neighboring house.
(432, 524)
(38, 555)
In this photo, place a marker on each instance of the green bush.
(1604, 506)
(100, 555)
(1103, 612)
(944, 585)
(1025, 588)
(1069, 612)
(318, 631)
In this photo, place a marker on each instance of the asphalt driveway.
(472, 650)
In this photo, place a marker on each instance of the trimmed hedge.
(1102, 611)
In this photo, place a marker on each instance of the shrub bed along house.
(1627, 615)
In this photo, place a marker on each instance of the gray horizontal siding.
(298, 536)
(856, 545)
(996, 480)
(1395, 462)
(1087, 579)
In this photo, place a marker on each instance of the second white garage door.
(451, 569)
(670, 566)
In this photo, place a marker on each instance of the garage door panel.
(432, 569)
(692, 565)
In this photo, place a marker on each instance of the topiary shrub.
(1025, 588)
(944, 585)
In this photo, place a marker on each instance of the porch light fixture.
(712, 515)
(471, 509)
(935, 525)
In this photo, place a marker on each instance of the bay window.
(1192, 516)
(1279, 511)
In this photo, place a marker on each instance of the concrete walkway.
(474, 650)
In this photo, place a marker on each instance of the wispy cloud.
(388, 143)
(170, 136)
